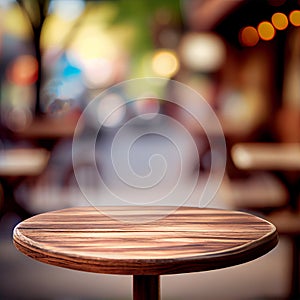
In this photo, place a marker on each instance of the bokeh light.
(18, 118)
(147, 108)
(54, 32)
(14, 22)
(280, 21)
(248, 36)
(266, 31)
(202, 51)
(67, 9)
(98, 72)
(23, 70)
(111, 110)
(295, 17)
(165, 63)
(93, 42)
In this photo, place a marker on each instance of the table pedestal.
(146, 287)
(295, 288)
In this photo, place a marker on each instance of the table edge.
(198, 263)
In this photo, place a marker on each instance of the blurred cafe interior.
(242, 57)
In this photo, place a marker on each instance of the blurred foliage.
(141, 14)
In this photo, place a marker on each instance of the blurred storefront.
(57, 56)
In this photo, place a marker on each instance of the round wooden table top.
(144, 240)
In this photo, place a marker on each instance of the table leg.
(146, 287)
(295, 291)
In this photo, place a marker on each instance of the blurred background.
(242, 56)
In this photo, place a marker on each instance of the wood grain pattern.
(187, 240)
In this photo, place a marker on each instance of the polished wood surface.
(144, 240)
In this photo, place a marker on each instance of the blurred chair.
(16, 167)
(283, 158)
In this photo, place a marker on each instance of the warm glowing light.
(165, 63)
(249, 36)
(55, 31)
(241, 156)
(98, 72)
(266, 31)
(111, 110)
(14, 22)
(280, 21)
(24, 70)
(295, 17)
(93, 42)
(202, 51)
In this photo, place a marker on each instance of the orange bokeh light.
(248, 36)
(266, 31)
(23, 70)
(295, 17)
(280, 21)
